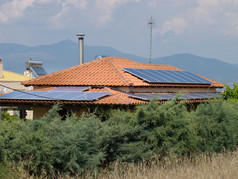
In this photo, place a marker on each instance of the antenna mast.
(150, 23)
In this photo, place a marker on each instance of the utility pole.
(150, 23)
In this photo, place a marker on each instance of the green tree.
(231, 94)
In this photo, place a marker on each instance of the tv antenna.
(150, 23)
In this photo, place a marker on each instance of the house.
(111, 82)
(10, 81)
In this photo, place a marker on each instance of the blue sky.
(207, 28)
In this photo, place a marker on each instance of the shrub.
(76, 144)
(217, 126)
(168, 128)
(121, 139)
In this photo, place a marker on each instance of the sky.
(207, 28)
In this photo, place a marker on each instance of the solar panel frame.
(167, 76)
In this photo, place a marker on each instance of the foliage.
(121, 139)
(217, 125)
(6, 116)
(231, 93)
(75, 146)
(168, 128)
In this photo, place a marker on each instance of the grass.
(217, 166)
(223, 165)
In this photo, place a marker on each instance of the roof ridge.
(117, 71)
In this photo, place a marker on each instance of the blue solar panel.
(71, 88)
(55, 95)
(170, 96)
(167, 76)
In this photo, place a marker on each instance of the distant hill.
(65, 54)
(54, 57)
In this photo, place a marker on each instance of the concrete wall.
(39, 112)
(28, 116)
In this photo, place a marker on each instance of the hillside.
(64, 54)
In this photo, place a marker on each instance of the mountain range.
(64, 54)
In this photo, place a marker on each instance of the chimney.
(1, 68)
(81, 48)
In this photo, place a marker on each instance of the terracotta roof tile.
(105, 72)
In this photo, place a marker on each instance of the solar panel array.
(56, 94)
(167, 76)
(38, 71)
(170, 96)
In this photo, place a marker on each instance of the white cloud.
(67, 13)
(177, 25)
(205, 12)
(232, 20)
(13, 10)
(101, 11)
(46, 1)
(105, 9)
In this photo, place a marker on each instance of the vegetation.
(153, 133)
(231, 94)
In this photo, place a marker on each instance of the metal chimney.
(81, 48)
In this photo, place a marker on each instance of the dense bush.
(78, 146)
(168, 128)
(217, 126)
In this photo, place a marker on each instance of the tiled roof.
(10, 76)
(104, 72)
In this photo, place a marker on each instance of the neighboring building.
(10, 81)
(111, 82)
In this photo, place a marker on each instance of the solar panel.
(55, 95)
(167, 76)
(71, 88)
(169, 96)
(38, 71)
